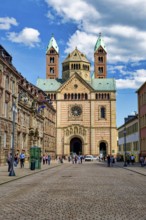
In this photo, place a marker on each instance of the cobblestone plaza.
(76, 191)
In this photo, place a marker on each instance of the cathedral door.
(76, 146)
(102, 149)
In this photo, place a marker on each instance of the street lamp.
(125, 163)
(14, 110)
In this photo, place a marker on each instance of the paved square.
(76, 191)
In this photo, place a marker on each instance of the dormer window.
(52, 51)
(100, 50)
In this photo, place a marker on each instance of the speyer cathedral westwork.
(85, 106)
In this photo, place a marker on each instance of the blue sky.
(26, 27)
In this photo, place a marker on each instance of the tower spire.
(100, 58)
(52, 59)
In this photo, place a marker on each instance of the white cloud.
(76, 10)
(134, 81)
(83, 42)
(6, 23)
(124, 39)
(50, 16)
(123, 26)
(28, 37)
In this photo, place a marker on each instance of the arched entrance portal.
(102, 149)
(76, 146)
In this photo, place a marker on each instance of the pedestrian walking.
(132, 159)
(112, 161)
(108, 160)
(16, 160)
(22, 159)
(128, 159)
(142, 161)
(9, 161)
(145, 161)
(44, 159)
(49, 159)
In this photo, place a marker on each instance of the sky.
(26, 27)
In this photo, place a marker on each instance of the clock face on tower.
(76, 111)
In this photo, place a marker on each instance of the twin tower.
(76, 62)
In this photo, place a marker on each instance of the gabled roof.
(143, 85)
(49, 84)
(99, 43)
(79, 78)
(103, 84)
(53, 44)
(76, 55)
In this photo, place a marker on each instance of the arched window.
(100, 70)
(108, 96)
(79, 96)
(102, 112)
(82, 96)
(65, 96)
(52, 96)
(51, 59)
(86, 96)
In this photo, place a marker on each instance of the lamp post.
(125, 163)
(14, 110)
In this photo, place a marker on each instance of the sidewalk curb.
(36, 171)
(134, 171)
(128, 168)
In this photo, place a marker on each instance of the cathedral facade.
(85, 106)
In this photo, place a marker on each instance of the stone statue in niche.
(75, 130)
(67, 132)
(71, 131)
(80, 131)
(84, 132)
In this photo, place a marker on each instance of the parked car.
(95, 158)
(89, 158)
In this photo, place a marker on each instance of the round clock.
(76, 110)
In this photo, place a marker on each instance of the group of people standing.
(75, 159)
(17, 158)
(46, 159)
(110, 160)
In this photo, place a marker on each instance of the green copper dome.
(99, 43)
(53, 44)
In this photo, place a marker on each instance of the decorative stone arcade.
(75, 137)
